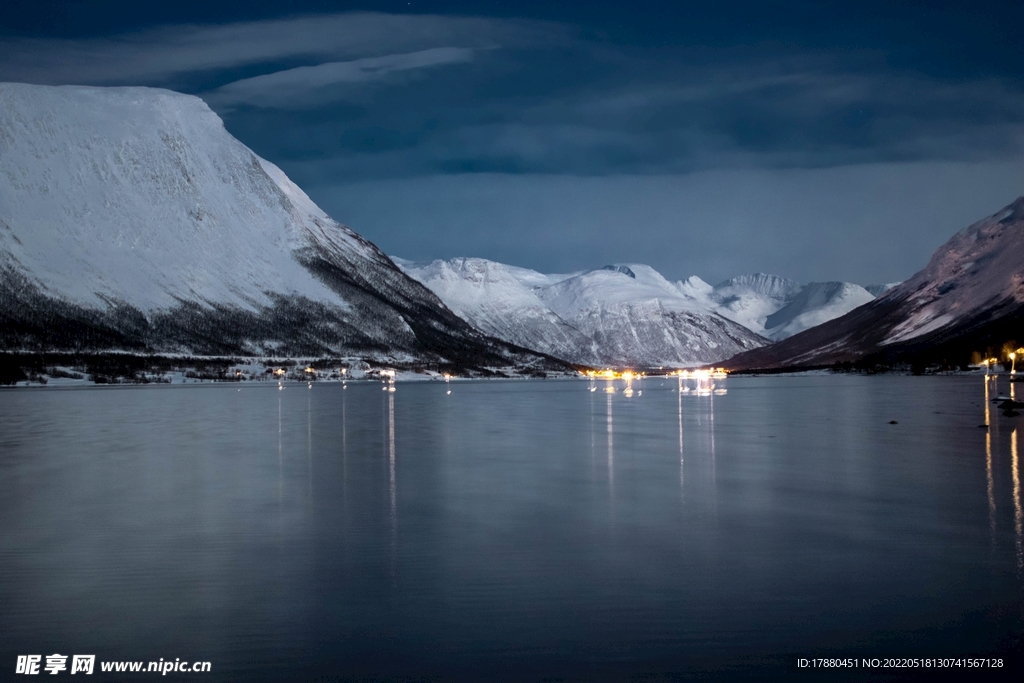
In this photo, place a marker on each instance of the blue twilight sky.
(812, 139)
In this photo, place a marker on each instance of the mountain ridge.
(628, 314)
(131, 220)
(967, 300)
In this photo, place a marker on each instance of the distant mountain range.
(130, 220)
(629, 314)
(619, 315)
(968, 301)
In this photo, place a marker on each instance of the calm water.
(511, 530)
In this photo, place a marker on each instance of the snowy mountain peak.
(816, 302)
(89, 174)
(694, 286)
(130, 219)
(777, 307)
(620, 269)
(759, 283)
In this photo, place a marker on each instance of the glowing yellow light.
(310, 369)
(608, 374)
(279, 371)
(627, 375)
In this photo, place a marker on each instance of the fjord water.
(511, 530)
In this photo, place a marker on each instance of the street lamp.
(1013, 360)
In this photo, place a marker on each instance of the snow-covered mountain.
(814, 304)
(502, 301)
(969, 298)
(636, 316)
(776, 307)
(617, 315)
(750, 299)
(130, 219)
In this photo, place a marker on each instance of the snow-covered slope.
(969, 298)
(141, 196)
(639, 317)
(776, 307)
(750, 299)
(131, 219)
(502, 301)
(981, 267)
(617, 315)
(814, 304)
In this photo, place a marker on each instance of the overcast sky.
(814, 140)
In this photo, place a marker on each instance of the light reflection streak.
(391, 471)
(988, 466)
(309, 444)
(611, 455)
(711, 403)
(679, 400)
(280, 457)
(593, 437)
(344, 450)
(1018, 514)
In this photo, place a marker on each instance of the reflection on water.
(1018, 515)
(988, 461)
(309, 445)
(280, 454)
(787, 514)
(682, 460)
(391, 477)
(611, 449)
(344, 445)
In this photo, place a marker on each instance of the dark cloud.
(306, 86)
(178, 54)
(390, 95)
(766, 117)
